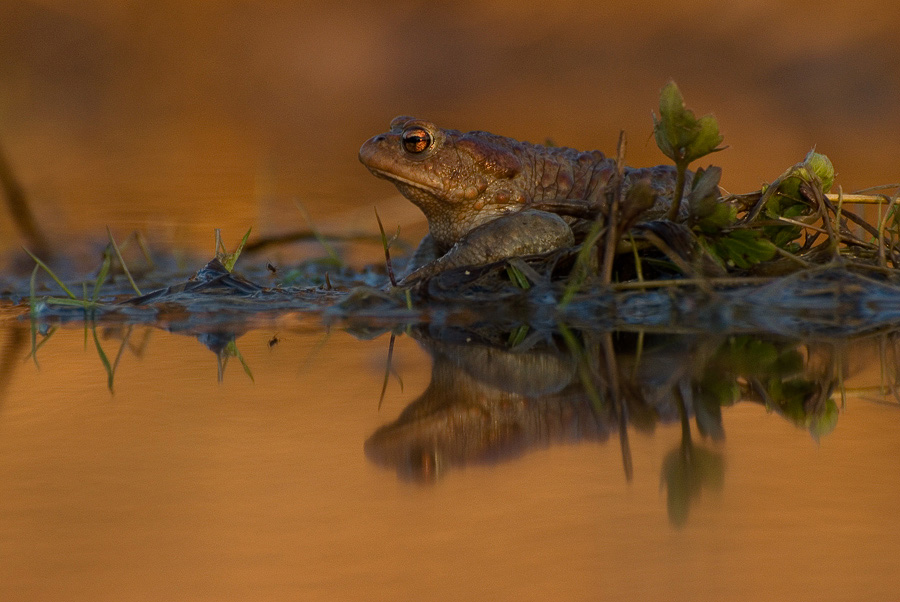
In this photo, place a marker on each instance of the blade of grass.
(517, 277)
(229, 259)
(314, 352)
(233, 350)
(329, 249)
(612, 234)
(517, 336)
(638, 264)
(584, 371)
(122, 347)
(815, 193)
(125, 269)
(32, 312)
(837, 213)
(386, 244)
(220, 246)
(82, 303)
(52, 275)
(145, 250)
(580, 269)
(221, 362)
(882, 222)
(615, 394)
(675, 258)
(387, 369)
(32, 299)
(102, 273)
(638, 353)
(40, 344)
(110, 374)
(796, 259)
(240, 248)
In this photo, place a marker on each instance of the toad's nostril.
(379, 138)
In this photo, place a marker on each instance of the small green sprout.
(785, 201)
(517, 277)
(229, 259)
(682, 137)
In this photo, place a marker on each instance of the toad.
(487, 197)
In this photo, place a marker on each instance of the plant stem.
(680, 169)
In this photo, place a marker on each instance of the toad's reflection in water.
(487, 403)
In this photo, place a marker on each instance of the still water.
(484, 473)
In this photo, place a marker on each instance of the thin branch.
(612, 232)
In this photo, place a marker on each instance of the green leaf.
(676, 126)
(705, 209)
(783, 237)
(743, 248)
(749, 355)
(707, 139)
(665, 128)
(723, 215)
(679, 134)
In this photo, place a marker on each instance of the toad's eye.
(416, 140)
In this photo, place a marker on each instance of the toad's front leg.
(527, 232)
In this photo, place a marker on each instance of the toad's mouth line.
(400, 180)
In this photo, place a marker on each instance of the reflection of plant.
(222, 344)
(806, 404)
(230, 350)
(688, 469)
(775, 374)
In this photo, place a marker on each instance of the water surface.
(190, 483)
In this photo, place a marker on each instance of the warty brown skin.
(488, 197)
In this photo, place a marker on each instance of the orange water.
(179, 487)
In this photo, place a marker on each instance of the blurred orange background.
(177, 117)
